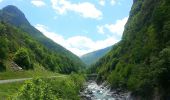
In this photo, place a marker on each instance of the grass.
(9, 89)
(26, 74)
(37, 72)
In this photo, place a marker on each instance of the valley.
(28, 57)
(35, 67)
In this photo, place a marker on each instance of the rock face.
(15, 67)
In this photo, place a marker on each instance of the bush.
(66, 88)
(2, 67)
(22, 58)
(3, 48)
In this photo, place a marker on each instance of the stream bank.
(93, 91)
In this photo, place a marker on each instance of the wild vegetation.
(28, 53)
(64, 88)
(26, 46)
(8, 89)
(140, 62)
(94, 56)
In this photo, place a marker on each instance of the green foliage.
(51, 89)
(27, 52)
(2, 66)
(3, 48)
(8, 89)
(20, 34)
(3, 51)
(162, 64)
(78, 79)
(36, 89)
(22, 58)
(92, 57)
(140, 61)
(61, 59)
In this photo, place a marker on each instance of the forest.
(140, 62)
(28, 53)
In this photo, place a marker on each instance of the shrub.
(22, 58)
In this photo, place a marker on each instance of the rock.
(15, 67)
(100, 92)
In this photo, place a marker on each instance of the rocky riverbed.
(93, 91)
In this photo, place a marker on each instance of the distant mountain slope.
(13, 16)
(140, 62)
(92, 57)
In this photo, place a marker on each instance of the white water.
(93, 91)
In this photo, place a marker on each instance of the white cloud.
(38, 3)
(102, 2)
(116, 28)
(79, 45)
(113, 2)
(1, 0)
(100, 29)
(85, 9)
(55, 37)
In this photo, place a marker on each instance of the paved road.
(23, 79)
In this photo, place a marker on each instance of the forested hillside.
(92, 57)
(15, 18)
(140, 62)
(28, 53)
(22, 43)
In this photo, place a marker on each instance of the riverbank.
(93, 91)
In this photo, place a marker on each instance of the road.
(23, 79)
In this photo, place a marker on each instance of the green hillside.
(24, 45)
(140, 62)
(92, 57)
(25, 39)
(28, 53)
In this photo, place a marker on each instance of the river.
(93, 91)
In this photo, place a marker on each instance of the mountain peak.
(11, 14)
(12, 9)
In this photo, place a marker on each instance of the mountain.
(13, 21)
(140, 62)
(92, 57)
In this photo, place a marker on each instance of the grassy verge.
(26, 74)
(61, 88)
(9, 89)
(38, 71)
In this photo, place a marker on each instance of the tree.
(2, 66)
(3, 52)
(164, 64)
(3, 48)
(22, 58)
(36, 89)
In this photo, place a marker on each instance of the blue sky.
(81, 26)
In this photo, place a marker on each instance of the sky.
(81, 26)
